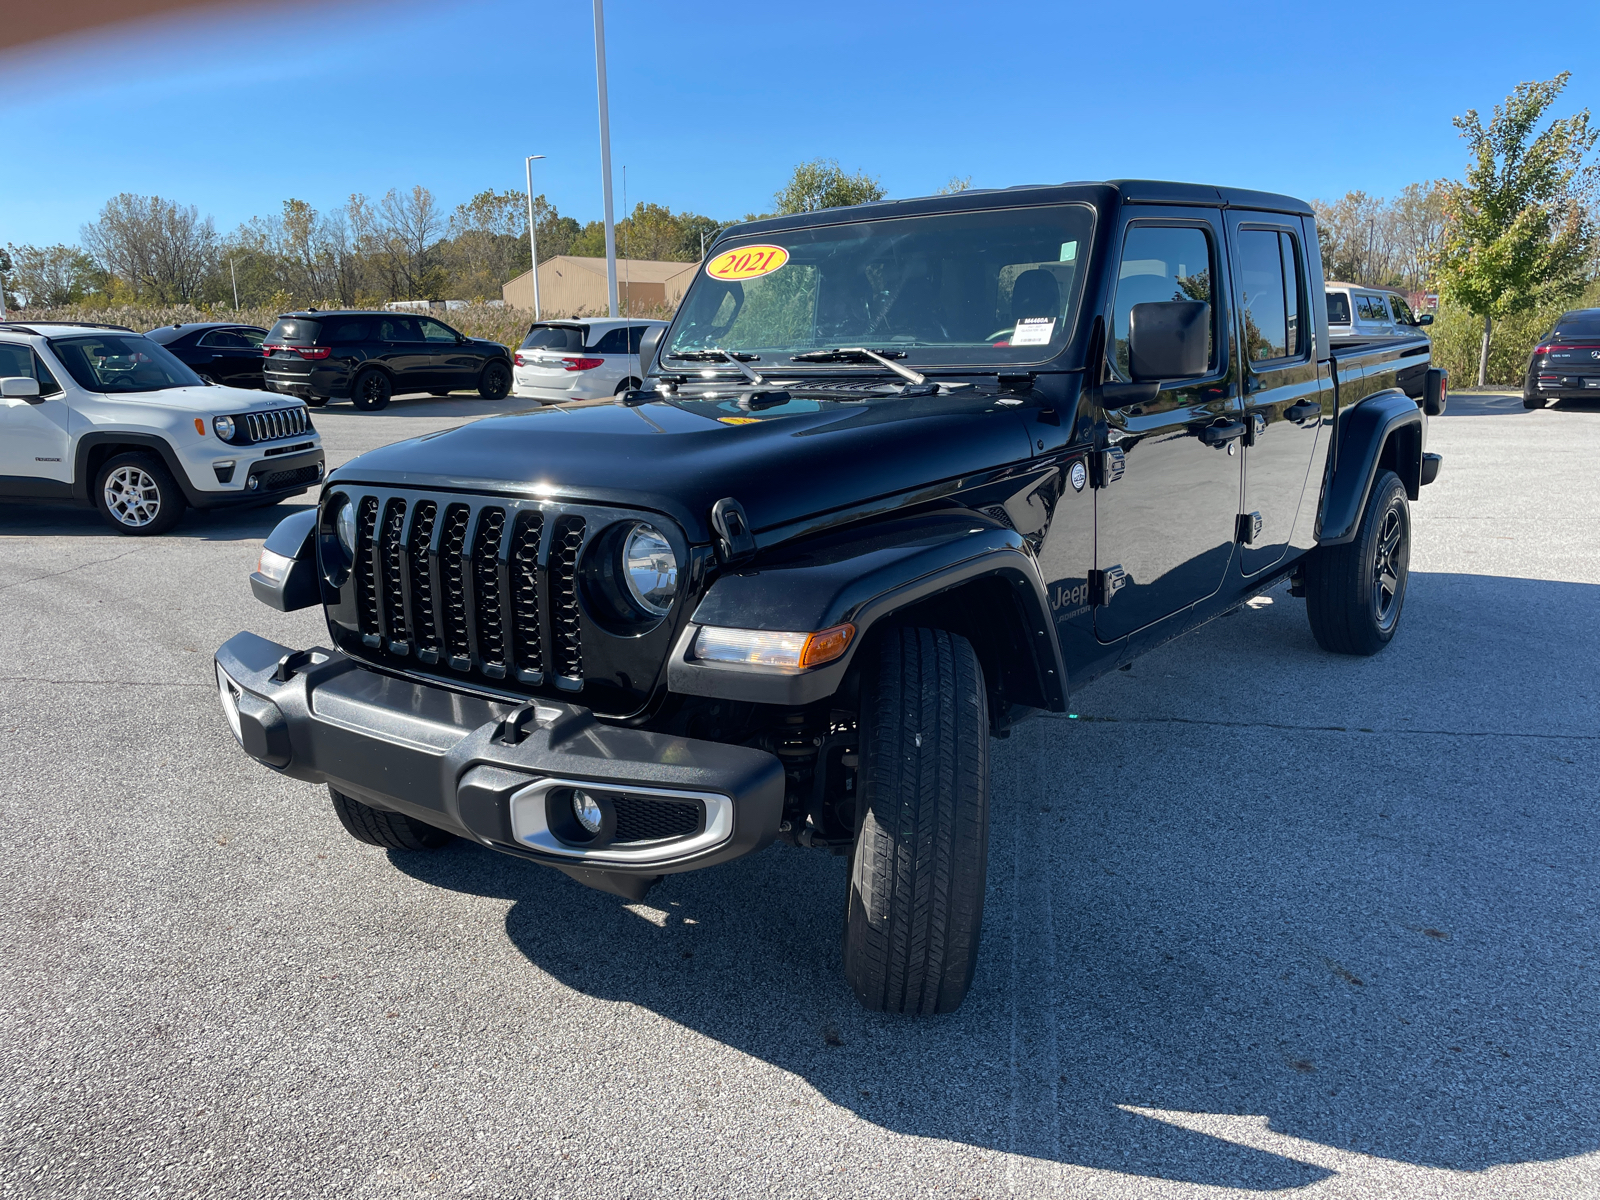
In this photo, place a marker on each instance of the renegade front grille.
(489, 591)
(279, 423)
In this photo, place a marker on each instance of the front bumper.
(463, 763)
(264, 480)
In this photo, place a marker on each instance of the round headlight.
(651, 569)
(224, 427)
(344, 525)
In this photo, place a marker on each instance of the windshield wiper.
(715, 354)
(862, 354)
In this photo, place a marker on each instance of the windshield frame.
(169, 361)
(1073, 304)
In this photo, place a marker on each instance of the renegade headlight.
(650, 569)
(224, 427)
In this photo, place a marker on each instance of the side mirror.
(19, 387)
(1168, 340)
(649, 343)
(1424, 319)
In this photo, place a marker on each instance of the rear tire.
(625, 385)
(914, 910)
(1532, 402)
(495, 381)
(371, 391)
(391, 830)
(1355, 592)
(316, 401)
(137, 496)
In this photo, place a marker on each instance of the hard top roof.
(1129, 191)
(59, 328)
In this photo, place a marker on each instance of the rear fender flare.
(1384, 431)
(874, 573)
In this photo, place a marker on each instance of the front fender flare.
(864, 574)
(1384, 429)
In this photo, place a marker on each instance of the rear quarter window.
(1338, 308)
(347, 332)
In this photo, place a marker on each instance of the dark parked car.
(371, 356)
(900, 475)
(225, 353)
(1566, 363)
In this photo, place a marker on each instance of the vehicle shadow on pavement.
(1381, 939)
(41, 519)
(1505, 404)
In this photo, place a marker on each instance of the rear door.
(402, 350)
(613, 346)
(1165, 526)
(1282, 391)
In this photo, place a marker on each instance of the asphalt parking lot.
(1260, 919)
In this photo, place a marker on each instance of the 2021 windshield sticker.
(1033, 331)
(747, 262)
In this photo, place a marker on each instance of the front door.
(1283, 393)
(1165, 528)
(455, 364)
(33, 430)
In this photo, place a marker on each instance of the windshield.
(994, 287)
(122, 362)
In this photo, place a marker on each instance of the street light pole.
(533, 246)
(234, 275)
(605, 152)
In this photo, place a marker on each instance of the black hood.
(790, 462)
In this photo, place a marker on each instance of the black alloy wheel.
(1355, 592)
(371, 391)
(495, 381)
(914, 908)
(391, 830)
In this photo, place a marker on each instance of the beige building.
(576, 287)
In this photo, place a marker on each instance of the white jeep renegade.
(104, 416)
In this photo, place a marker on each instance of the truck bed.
(1364, 366)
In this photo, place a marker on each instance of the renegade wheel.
(391, 830)
(1354, 592)
(915, 905)
(136, 495)
(495, 381)
(371, 391)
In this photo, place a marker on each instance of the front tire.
(137, 495)
(391, 830)
(914, 910)
(371, 391)
(495, 381)
(1355, 592)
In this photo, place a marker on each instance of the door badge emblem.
(1079, 475)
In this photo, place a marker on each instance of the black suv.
(369, 356)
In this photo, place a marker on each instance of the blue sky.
(712, 102)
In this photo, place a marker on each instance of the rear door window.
(614, 341)
(555, 337)
(398, 329)
(348, 332)
(223, 339)
(1264, 291)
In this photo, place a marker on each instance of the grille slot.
(527, 640)
(452, 576)
(640, 820)
(366, 569)
(390, 552)
(424, 614)
(487, 610)
(565, 635)
(298, 477)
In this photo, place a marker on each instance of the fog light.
(229, 691)
(584, 806)
(253, 482)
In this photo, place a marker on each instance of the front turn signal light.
(775, 651)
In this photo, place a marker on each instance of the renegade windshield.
(122, 362)
(957, 289)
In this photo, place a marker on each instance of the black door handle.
(1303, 410)
(1216, 435)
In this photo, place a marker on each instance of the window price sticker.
(1033, 331)
(747, 262)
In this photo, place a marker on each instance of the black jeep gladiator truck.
(900, 475)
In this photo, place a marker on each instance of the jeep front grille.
(489, 591)
(270, 426)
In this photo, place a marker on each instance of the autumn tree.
(162, 250)
(1522, 229)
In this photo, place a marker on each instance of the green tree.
(958, 183)
(822, 183)
(1521, 230)
(50, 276)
